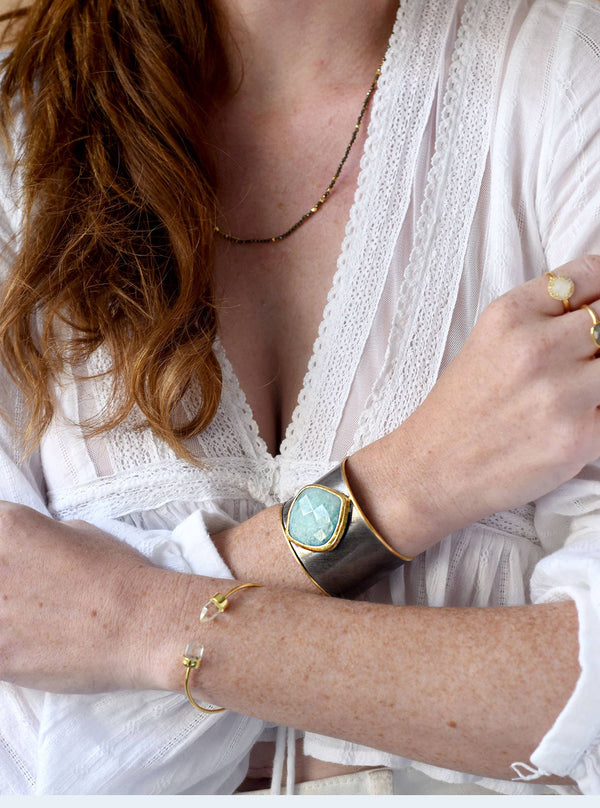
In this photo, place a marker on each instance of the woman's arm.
(514, 416)
(468, 689)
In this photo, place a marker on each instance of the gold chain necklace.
(326, 193)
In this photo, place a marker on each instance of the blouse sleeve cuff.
(199, 549)
(187, 548)
(571, 747)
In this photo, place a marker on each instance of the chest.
(271, 296)
(394, 316)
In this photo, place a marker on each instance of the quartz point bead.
(209, 611)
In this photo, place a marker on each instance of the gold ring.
(595, 329)
(560, 288)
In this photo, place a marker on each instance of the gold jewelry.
(595, 329)
(560, 288)
(194, 650)
(332, 539)
(326, 193)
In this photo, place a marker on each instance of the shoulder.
(553, 58)
(547, 138)
(561, 32)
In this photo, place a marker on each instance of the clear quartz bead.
(194, 650)
(210, 610)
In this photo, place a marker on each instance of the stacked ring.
(560, 288)
(595, 329)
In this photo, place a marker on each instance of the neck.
(279, 47)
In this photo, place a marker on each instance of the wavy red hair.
(105, 104)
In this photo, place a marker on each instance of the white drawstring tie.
(533, 772)
(286, 737)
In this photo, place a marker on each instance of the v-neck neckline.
(365, 213)
(231, 383)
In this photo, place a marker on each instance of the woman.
(158, 138)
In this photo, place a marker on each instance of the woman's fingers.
(587, 380)
(569, 338)
(516, 412)
(593, 326)
(559, 309)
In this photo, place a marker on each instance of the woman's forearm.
(256, 550)
(469, 689)
(497, 430)
(401, 507)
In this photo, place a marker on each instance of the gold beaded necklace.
(326, 193)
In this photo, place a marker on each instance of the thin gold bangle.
(363, 516)
(190, 666)
(194, 652)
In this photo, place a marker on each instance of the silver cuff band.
(355, 556)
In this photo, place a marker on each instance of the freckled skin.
(327, 644)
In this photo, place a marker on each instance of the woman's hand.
(70, 598)
(513, 416)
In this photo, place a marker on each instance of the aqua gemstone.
(314, 517)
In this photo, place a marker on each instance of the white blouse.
(481, 170)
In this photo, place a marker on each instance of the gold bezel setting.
(560, 287)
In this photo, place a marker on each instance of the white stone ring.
(595, 329)
(561, 288)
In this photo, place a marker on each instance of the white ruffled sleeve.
(568, 520)
(571, 516)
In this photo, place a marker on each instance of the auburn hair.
(105, 104)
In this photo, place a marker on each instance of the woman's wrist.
(396, 483)
(256, 550)
(163, 614)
